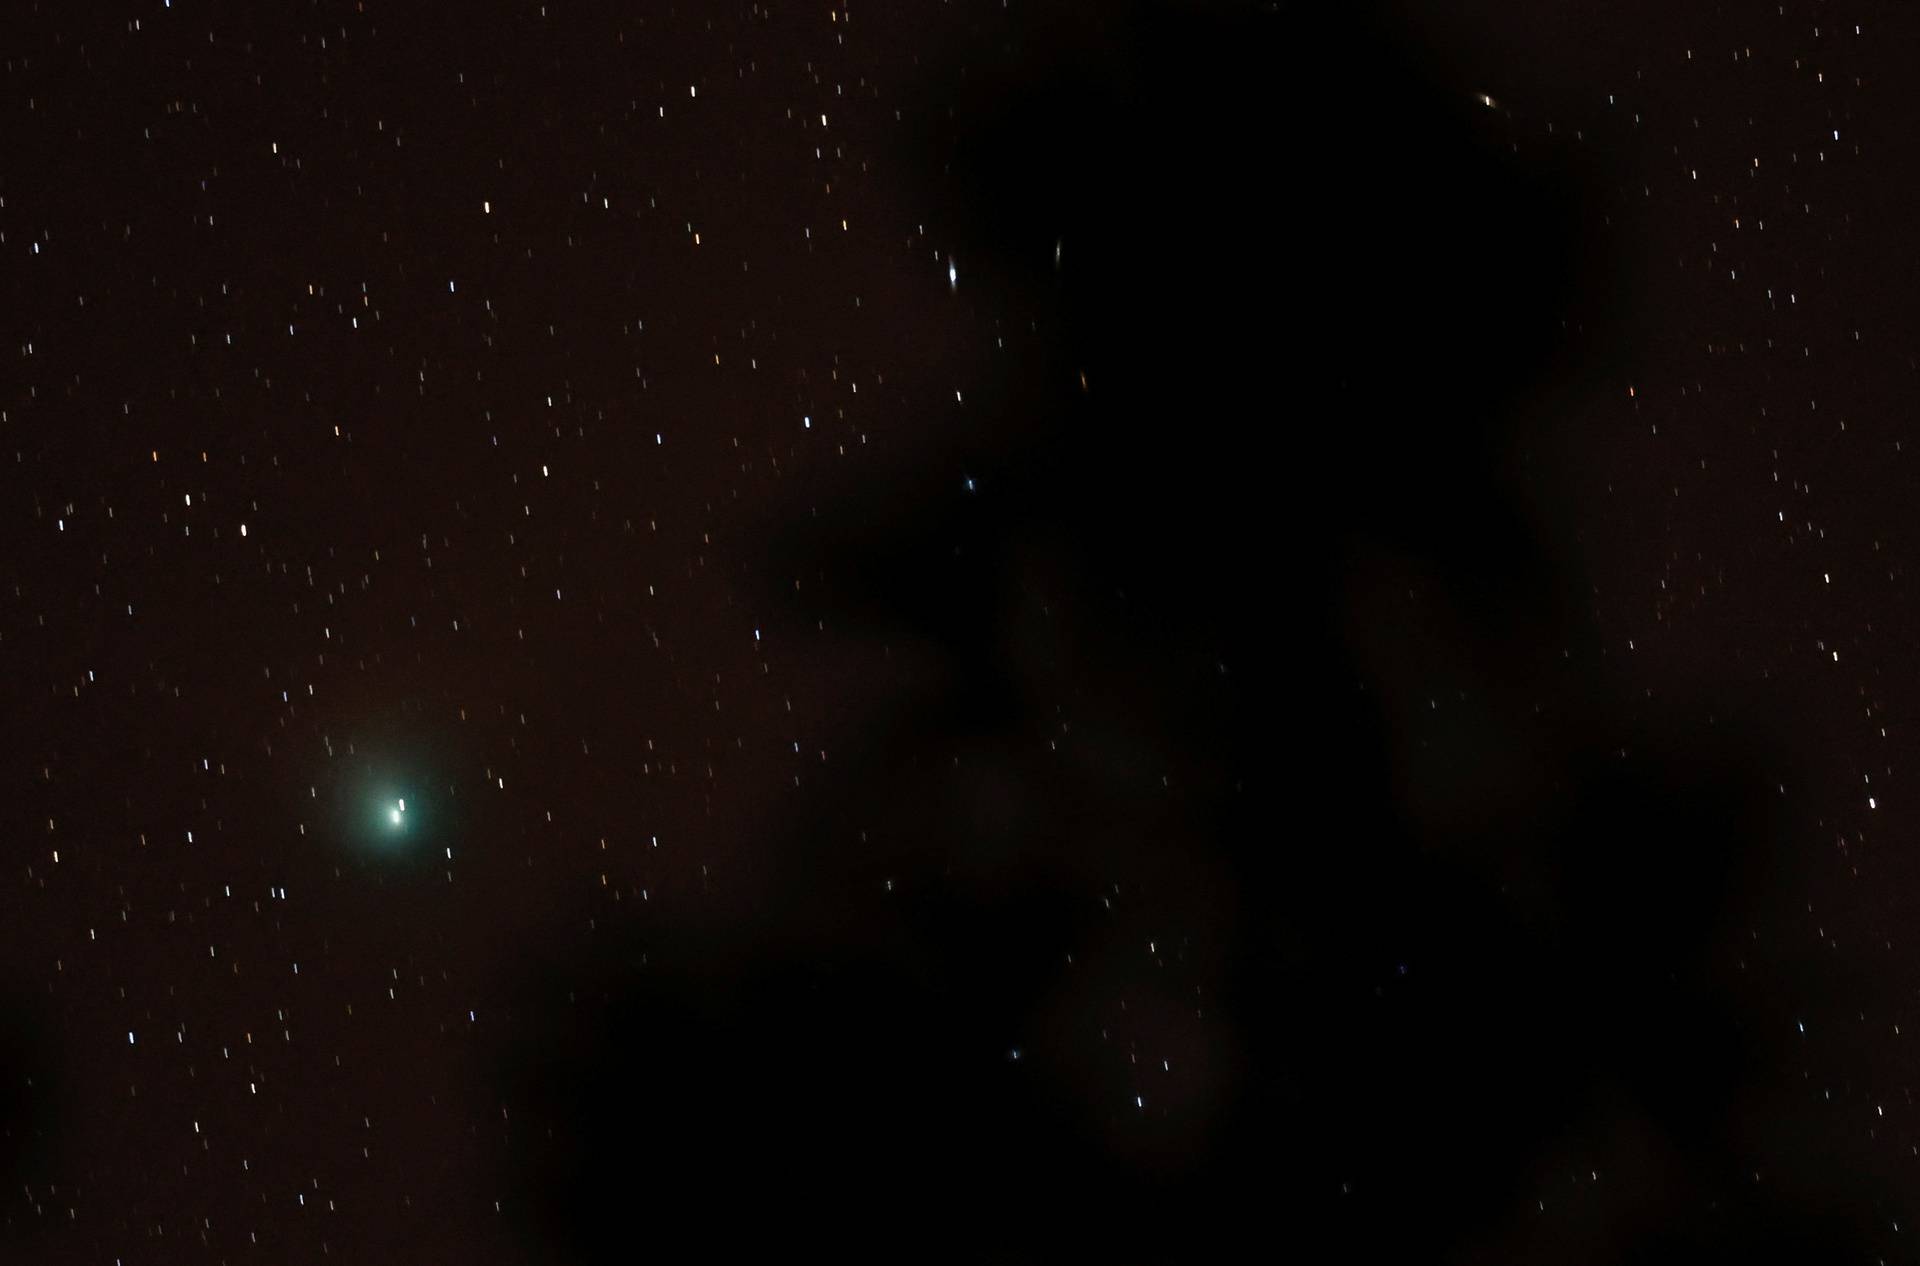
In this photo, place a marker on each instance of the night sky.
(976, 631)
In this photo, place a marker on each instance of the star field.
(961, 631)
